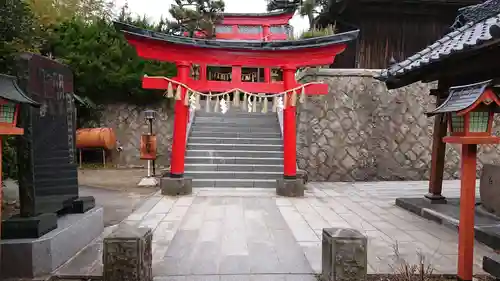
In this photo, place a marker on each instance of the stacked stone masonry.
(361, 131)
(129, 124)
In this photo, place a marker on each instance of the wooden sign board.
(148, 147)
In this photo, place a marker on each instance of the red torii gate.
(185, 52)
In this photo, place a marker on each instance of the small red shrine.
(243, 65)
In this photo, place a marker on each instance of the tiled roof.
(9, 90)
(461, 97)
(474, 33)
(340, 38)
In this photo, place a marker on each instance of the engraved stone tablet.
(127, 254)
(344, 255)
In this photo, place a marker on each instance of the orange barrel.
(96, 138)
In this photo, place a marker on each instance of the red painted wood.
(164, 51)
(472, 139)
(261, 20)
(266, 32)
(180, 124)
(467, 210)
(239, 36)
(221, 86)
(289, 130)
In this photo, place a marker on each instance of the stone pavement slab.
(251, 234)
(370, 208)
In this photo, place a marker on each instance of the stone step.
(238, 117)
(235, 183)
(233, 175)
(237, 121)
(219, 128)
(211, 134)
(234, 153)
(234, 146)
(234, 167)
(235, 113)
(234, 160)
(232, 125)
(491, 265)
(212, 140)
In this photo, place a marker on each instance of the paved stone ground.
(117, 204)
(250, 234)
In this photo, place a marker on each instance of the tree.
(197, 16)
(18, 33)
(105, 67)
(51, 12)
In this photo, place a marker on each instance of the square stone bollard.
(344, 255)
(176, 186)
(127, 254)
(290, 187)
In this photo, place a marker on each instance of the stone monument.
(54, 222)
(489, 190)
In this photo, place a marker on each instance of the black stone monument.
(48, 176)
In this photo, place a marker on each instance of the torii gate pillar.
(289, 127)
(180, 126)
(289, 186)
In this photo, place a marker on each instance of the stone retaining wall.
(128, 123)
(361, 131)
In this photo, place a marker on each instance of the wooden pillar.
(203, 72)
(236, 75)
(438, 155)
(467, 210)
(289, 127)
(266, 33)
(180, 124)
(1, 159)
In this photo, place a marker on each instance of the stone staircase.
(236, 149)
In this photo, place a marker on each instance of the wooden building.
(390, 28)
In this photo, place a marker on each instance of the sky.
(154, 9)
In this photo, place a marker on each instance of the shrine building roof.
(244, 45)
(258, 15)
(9, 90)
(461, 97)
(476, 27)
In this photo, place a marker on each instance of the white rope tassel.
(186, 98)
(207, 102)
(197, 103)
(254, 105)
(236, 98)
(170, 90)
(275, 103)
(216, 107)
(303, 95)
(264, 106)
(294, 98)
(245, 102)
(228, 100)
(178, 93)
(285, 100)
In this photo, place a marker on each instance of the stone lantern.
(469, 110)
(11, 98)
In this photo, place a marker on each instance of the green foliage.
(105, 67)
(18, 33)
(194, 16)
(9, 157)
(318, 32)
(50, 12)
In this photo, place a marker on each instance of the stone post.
(127, 254)
(344, 255)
